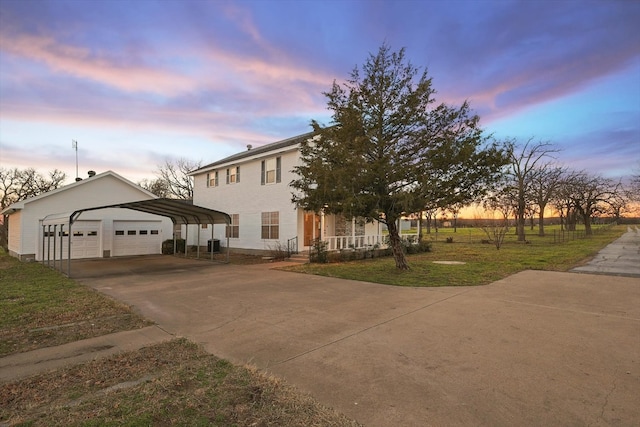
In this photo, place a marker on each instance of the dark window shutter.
(227, 176)
(262, 174)
(217, 178)
(207, 180)
(238, 174)
(278, 166)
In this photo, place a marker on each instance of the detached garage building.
(97, 233)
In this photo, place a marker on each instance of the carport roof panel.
(180, 211)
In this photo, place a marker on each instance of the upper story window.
(233, 175)
(212, 179)
(271, 171)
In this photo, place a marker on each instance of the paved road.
(537, 348)
(620, 257)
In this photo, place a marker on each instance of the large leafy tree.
(390, 148)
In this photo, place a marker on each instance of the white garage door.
(137, 238)
(85, 241)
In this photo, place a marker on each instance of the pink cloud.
(83, 63)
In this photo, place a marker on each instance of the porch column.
(353, 232)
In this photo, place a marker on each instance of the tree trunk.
(541, 222)
(587, 225)
(520, 219)
(572, 219)
(396, 246)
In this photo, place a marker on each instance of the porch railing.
(292, 246)
(336, 243)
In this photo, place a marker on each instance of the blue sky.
(140, 82)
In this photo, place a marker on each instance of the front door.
(311, 228)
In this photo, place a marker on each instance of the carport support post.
(61, 245)
(69, 249)
(198, 244)
(186, 238)
(55, 231)
(211, 246)
(44, 233)
(48, 245)
(175, 242)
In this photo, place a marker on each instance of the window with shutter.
(271, 171)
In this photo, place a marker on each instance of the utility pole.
(74, 145)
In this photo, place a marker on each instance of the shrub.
(319, 252)
(278, 251)
(167, 246)
(411, 245)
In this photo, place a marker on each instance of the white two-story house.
(253, 188)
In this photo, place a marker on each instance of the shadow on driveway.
(153, 265)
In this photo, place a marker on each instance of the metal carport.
(181, 212)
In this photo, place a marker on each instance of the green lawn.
(483, 262)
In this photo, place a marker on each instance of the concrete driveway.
(537, 348)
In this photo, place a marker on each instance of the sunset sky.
(138, 82)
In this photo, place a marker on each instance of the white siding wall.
(249, 199)
(15, 226)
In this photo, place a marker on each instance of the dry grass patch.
(174, 383)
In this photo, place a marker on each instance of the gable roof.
(21, 204)
(255, 152)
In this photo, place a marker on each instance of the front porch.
(340, 233)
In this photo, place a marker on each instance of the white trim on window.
(270, 229)
(233, 229)
(271, 171)
(233, 175)
(212, 179)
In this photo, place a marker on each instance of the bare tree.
(525, 161)
(545, 182)
(564, 201)
(156, 186)
(20, 184)
(175, 178)
(620, 202)
(591, 195)
(634, 186)
(499, 207)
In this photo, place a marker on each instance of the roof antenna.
(74, 145)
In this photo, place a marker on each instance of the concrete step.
(301, 257)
